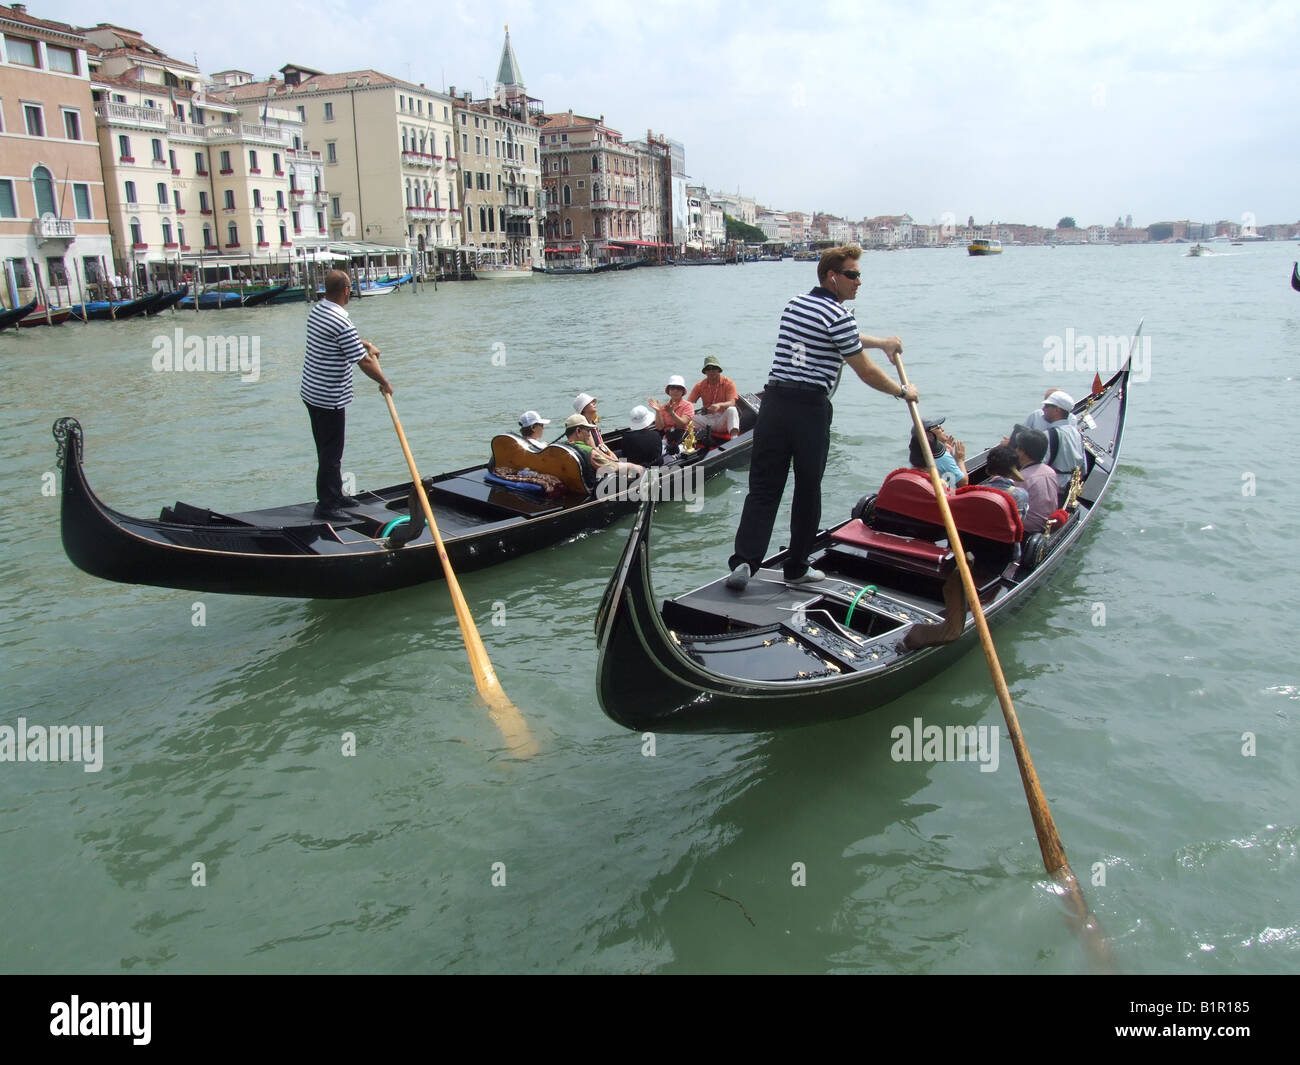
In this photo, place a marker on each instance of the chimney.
(19, 8)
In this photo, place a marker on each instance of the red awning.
(561, 251)
(642, 244)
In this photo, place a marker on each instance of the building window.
(34, 116)
(329, 111)
(130, 192)
(284, 234)
(232, 235)
(72, 125)
(464, 142)
(81, 198)
(20, 51)
(43, 185)
(203, 201)
(200, 164)
(167, 232)
(320, 221)
(176, 200)
(331, 152)
(261, 233)
(171, 158)
(257, 197)
(163, 198)
(279, 198)
(568, 227)
(207, 237)
(137, 234)
(336, 207)
(275, 163)
(225, 163)
(568, 196)
(302, 113)
(180, 235)
(157, 150)
(230, 199)
(64, 60)
(252, 161)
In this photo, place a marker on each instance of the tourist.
(949, 454)
(531, 427)
(643, 443)
(719, 416)
(1039, 479)
(1003, 468)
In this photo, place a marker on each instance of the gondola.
(103, 310)
(168, 300)
(265, 295)
(777, 656)
(1295, 276)
(12, 317)
(288, 551)
(213, 299)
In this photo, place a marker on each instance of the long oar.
(504, 713)
(1049, 841)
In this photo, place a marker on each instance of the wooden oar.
(1049, 841)
(503, 712)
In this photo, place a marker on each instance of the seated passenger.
(949, 454)
(719, 416)
(578, 434)
(1064, 440)
(1003, 465)
(642, 443)
(585, 404)
(677, 415)
(531, 427)
(1039, 479)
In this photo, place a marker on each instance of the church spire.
(508, 74)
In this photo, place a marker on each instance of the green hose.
(848, 618)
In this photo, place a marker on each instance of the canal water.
(314, 786)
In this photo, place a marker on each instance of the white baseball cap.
(529, 418)
(1060, 399)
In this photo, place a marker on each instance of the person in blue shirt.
(1003, 466)
(949, 454)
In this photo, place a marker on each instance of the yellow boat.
(980, 246)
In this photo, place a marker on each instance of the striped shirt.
(817, 334)
(333, 347)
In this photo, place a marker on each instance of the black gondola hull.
(701, 664)
(303, 558)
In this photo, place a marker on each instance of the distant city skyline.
(1021, 115)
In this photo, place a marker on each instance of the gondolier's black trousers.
(327, 430)
(794, 429)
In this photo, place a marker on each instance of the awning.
(562, 251)
(643, 244)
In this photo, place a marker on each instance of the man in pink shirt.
(1039, 478)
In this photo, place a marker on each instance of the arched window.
(232, 235)
(137, 234)
(568, 198)
(595, 163)
(482, 221)
(167, 230)
(261, 233)
(408, 192)
(568, 227)
(44, 186)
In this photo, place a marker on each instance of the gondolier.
(333, 348)
(818, 336)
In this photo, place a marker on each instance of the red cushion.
(986, 512)
(859, 535)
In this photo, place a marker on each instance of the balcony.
(419, 159)
(301, 155)
(298, 192)
(130, 114)
(422, 213)
(246, 131)
(453, 164)
(177, 128)
(51, 228)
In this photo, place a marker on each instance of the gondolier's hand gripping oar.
(1049, 841)
(504, 713)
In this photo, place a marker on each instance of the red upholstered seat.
(980, 511)
(859, 535)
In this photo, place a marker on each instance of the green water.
(223, 743)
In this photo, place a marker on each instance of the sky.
(1003, 110)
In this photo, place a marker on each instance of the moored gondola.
(265, 295)
(287, 551)
(12, 317)
(777, 655)
(1295, 276)
(104, 310)
(167, 300)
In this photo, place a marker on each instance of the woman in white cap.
(677, 412)
(642, 443)
(531, 427)
(584, 403)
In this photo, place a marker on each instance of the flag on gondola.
(1096, 384)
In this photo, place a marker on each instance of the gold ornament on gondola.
(1076, 486)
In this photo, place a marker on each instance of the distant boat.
(372, 289)
(1295, 276)
(980, 246)
(502, 273)
(265, 295)
(1197, 250)
(211, 300)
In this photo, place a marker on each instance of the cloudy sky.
(1006, 110)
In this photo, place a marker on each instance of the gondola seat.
(559, 460)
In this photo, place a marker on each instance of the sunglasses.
(852, 275)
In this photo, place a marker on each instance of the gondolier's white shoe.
(810, 576)
(739, 578)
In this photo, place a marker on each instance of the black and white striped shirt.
(333, 347)
(817, 334)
